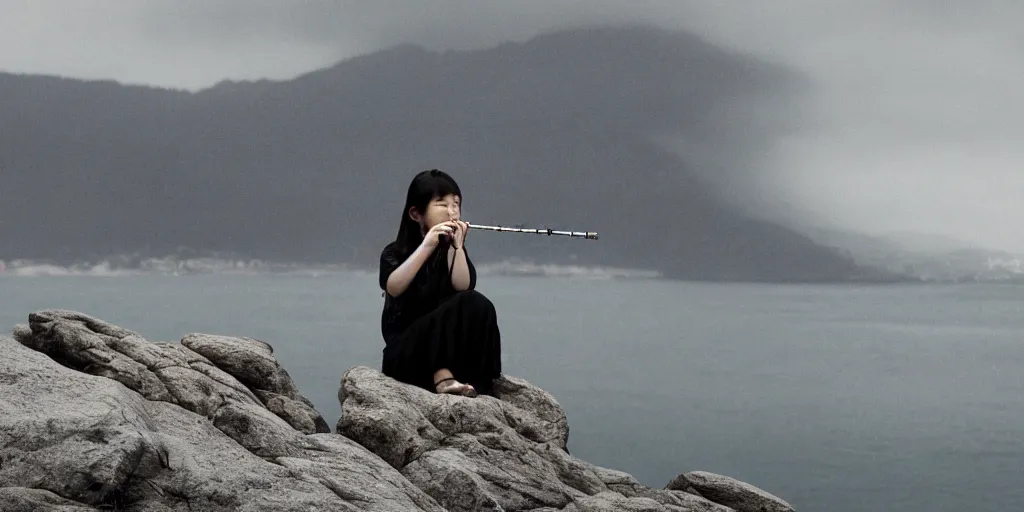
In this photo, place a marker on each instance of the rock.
(358, 476)
(505, 452)
(259, 430)
(158, 371)
(543, 418)
(301, 415)
(252, 362)
(111, 420)
(80, 342)
(625, 484)
(66, 436)
(730, 492)
(249, 360)
(20, 499)
(618, 481)
(696, 503)
(171, 372)
(609, 501)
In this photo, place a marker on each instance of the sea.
(899, 398)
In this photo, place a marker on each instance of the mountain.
(925, 256)
(554, 132)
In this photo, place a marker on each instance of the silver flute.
(589, 235)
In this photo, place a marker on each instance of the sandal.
(455, 389)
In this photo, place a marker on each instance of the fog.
(911, 122)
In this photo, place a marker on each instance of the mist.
(909, 121)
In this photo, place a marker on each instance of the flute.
(589, 235)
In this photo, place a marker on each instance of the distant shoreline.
(130, 266)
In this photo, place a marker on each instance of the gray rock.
(626, 485)
(259, 430)
(80, 342)
(610, 501)
(464, 482)
(302, 416)
(66, 436)
(730, 492)
(537, 415)
(20, 499)
(252, 362)
(375, 414)
(215, 423)
(697, 503)
(462, 451)
(505, 452)
(249, 360)
(158, 371)
(618, 481)
(358, 476)
(172, 372)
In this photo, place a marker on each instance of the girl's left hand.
(459, 236)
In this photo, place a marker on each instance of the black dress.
(432, 326)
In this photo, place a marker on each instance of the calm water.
(903, 398)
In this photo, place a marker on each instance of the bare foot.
(454, 387)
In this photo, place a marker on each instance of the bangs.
(440, 186)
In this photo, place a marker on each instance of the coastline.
(215, 422)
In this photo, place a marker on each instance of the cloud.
(913, 122)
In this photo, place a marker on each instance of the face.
(438, 210)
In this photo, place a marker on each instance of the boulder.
(73, 441)
(625, 484)
(730, 492)
(252, 362)
(502, 452)
(175, 373)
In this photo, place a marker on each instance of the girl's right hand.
(433, 237)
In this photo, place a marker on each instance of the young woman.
(439, 332)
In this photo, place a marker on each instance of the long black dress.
(432, 326)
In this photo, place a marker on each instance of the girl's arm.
(400, 278)
(462, 271)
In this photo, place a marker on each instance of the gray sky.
(915, 124)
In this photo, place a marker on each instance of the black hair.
(425, 187)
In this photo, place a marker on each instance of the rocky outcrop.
(252, 362)
(506, 452)
(201, 374)
(69, 439)
(95, 416)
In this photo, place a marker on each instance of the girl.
(439, 332)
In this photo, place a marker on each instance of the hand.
(433, 237)
(459, 237)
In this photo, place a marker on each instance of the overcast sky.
(917, 119)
